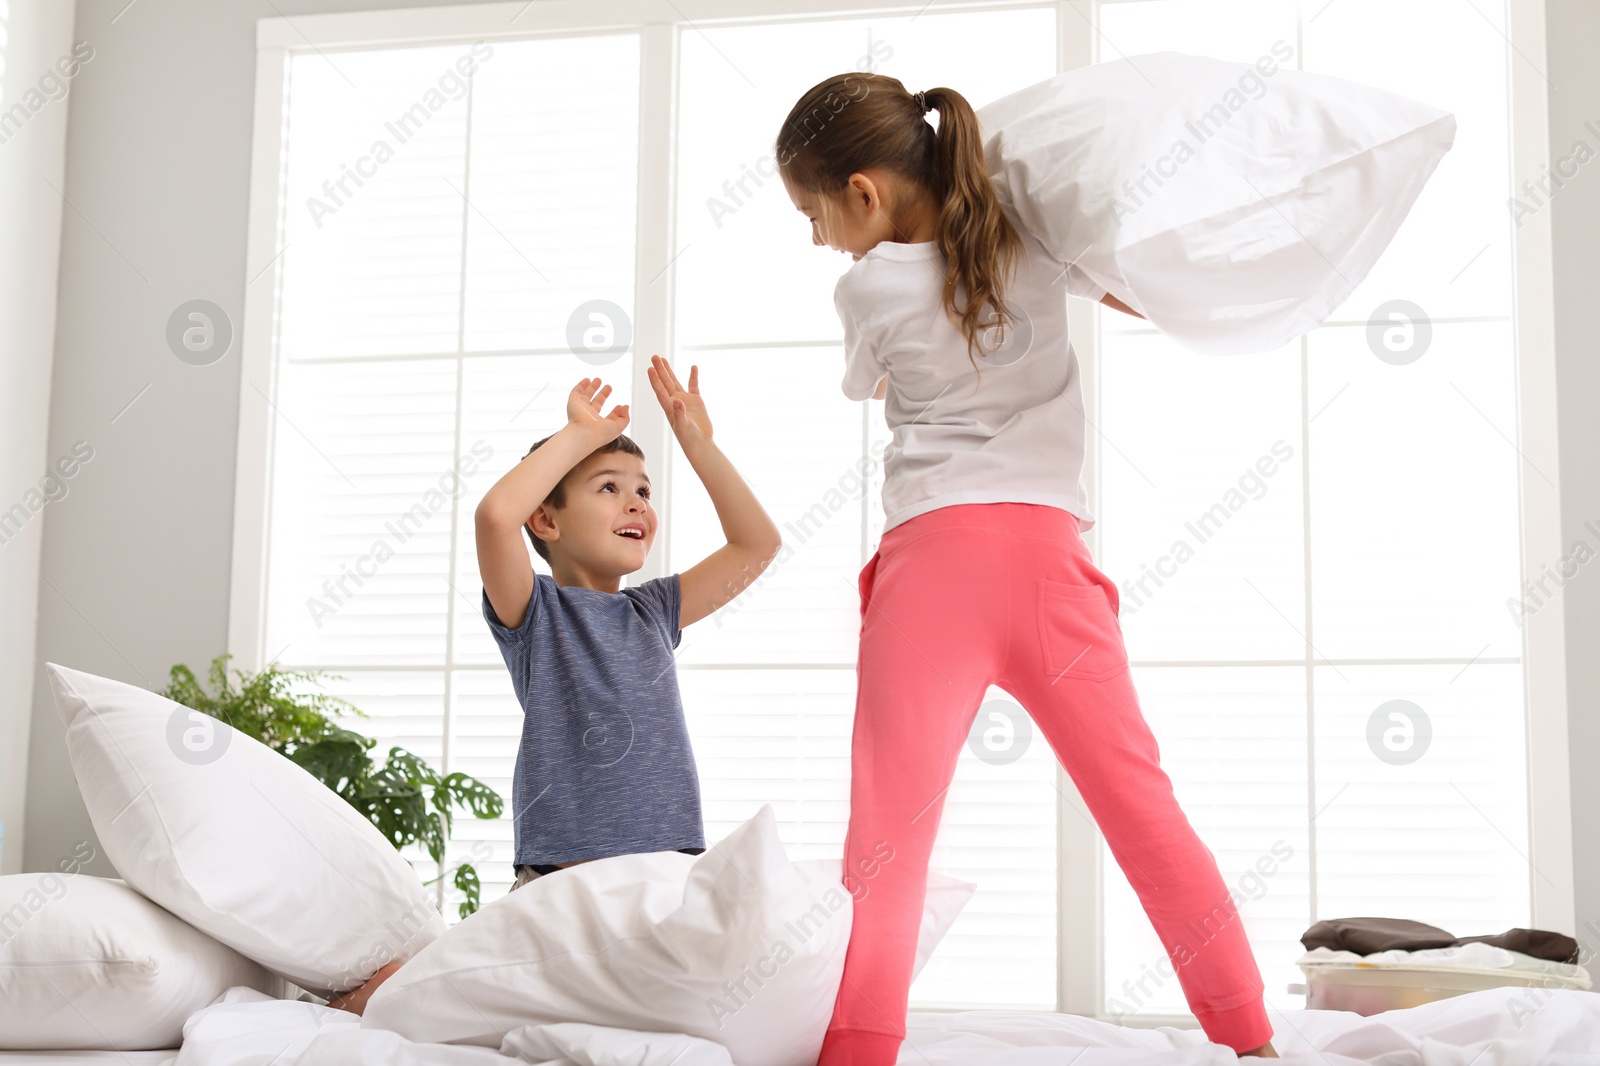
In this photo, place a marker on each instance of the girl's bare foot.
(1265, 1051)
(355, 1001)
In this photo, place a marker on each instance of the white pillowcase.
(1234, 205)
(738, 946)
(87, 962)
(942, 904)
(237, 840)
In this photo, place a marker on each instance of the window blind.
(423, 348)
(1278, 622)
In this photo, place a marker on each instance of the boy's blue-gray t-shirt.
(605, 766)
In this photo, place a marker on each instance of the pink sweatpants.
(957, 599)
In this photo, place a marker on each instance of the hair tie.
(922, 103)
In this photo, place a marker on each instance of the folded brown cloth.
(1365, 936)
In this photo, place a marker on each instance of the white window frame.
(659, 22)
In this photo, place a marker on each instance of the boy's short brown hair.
(558, 495)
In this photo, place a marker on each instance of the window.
(423, 348)
(438, 259)
(1316, 545)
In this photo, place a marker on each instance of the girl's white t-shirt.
(1013, 432)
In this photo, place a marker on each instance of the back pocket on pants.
(864, 583)
(1079, 635)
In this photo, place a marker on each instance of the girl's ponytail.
(974, 234)
(851, 122)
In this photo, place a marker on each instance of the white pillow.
(942, 904)
(738, 946)
(237, 840)
(87, 962)
(1198, 249)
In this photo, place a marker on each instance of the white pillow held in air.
(1234, 205)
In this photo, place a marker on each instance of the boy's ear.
(542, 525)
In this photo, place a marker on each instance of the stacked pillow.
(87, 962)
(238, 841)
(239, 869)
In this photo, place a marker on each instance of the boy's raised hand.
(685, 408)
(583, 411)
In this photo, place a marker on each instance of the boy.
(605, 766)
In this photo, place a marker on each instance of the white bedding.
(1497, 1027)
(87, 1058)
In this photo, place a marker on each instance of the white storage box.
(1395, 980)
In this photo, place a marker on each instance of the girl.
(957, 318)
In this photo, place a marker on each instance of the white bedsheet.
(1497, 1027)
(87, 1058)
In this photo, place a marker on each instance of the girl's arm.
(1111, 301)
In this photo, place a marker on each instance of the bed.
(230, 906)
(1495, 1027)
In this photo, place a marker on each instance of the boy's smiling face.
(608, 524)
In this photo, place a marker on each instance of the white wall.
(1574, 37)
(34, 34)
(136, 563)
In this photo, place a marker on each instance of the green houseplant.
(405, 798)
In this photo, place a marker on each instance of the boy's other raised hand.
(685, 408)
(583, 411)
